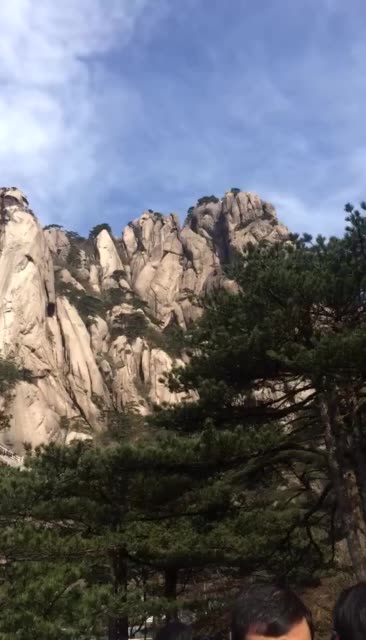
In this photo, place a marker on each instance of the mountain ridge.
(89, 318)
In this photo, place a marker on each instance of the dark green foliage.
(10, 374)
(118, 274)
(114, 297)
(98, 228)
(207, 200)
(73, 258)
(139, 325)
(190, 217)
(168, 340)
(88, 306)
(74, 237)
(131, 325)
(77, 243)
(173, 339)
(124, 426)
(48, 600)
(235, 190)
(157, 214)
(306, 238)
(138, 303)
(59, 582)
(52, 226)
(162, 503)
(256, 476)
(83, 507)
(299, 325)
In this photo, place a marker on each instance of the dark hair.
(349, 615)
(174, 630)
(268, 611)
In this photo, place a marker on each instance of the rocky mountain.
(95, 321)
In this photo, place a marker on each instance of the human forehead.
(299, 631)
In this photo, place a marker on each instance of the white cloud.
(49, 117)
(277, 110)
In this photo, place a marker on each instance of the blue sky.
(110, 107)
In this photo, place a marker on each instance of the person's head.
(349, 615)
(264, 611)
(174, 630)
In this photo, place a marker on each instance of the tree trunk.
(118, 629)
(358, 453)
(170, 591)
(118, 625)
(345, 486)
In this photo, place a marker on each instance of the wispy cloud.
(51, 123)
(108, 107)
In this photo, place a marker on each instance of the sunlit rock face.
(86, 317)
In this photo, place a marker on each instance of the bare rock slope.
(92, 319)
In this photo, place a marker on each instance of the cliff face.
(91, 319)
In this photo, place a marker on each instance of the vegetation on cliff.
(263, 473)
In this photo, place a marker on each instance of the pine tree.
(257, 476)
(101, 538)
(290, 349)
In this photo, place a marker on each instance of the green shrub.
(98, 228)
(113, 297)
(74, 424)
(10, 374)
(156, 213)
(207, 200)
(134, 325)
(88, 306)
(235, 190)
(52, 226)
(121, 426)
(118, 274)
(74, 236)
(73, 258)
(77, 244)
(169, 340)
(190, 213)
(173, 340)
(137, 303)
